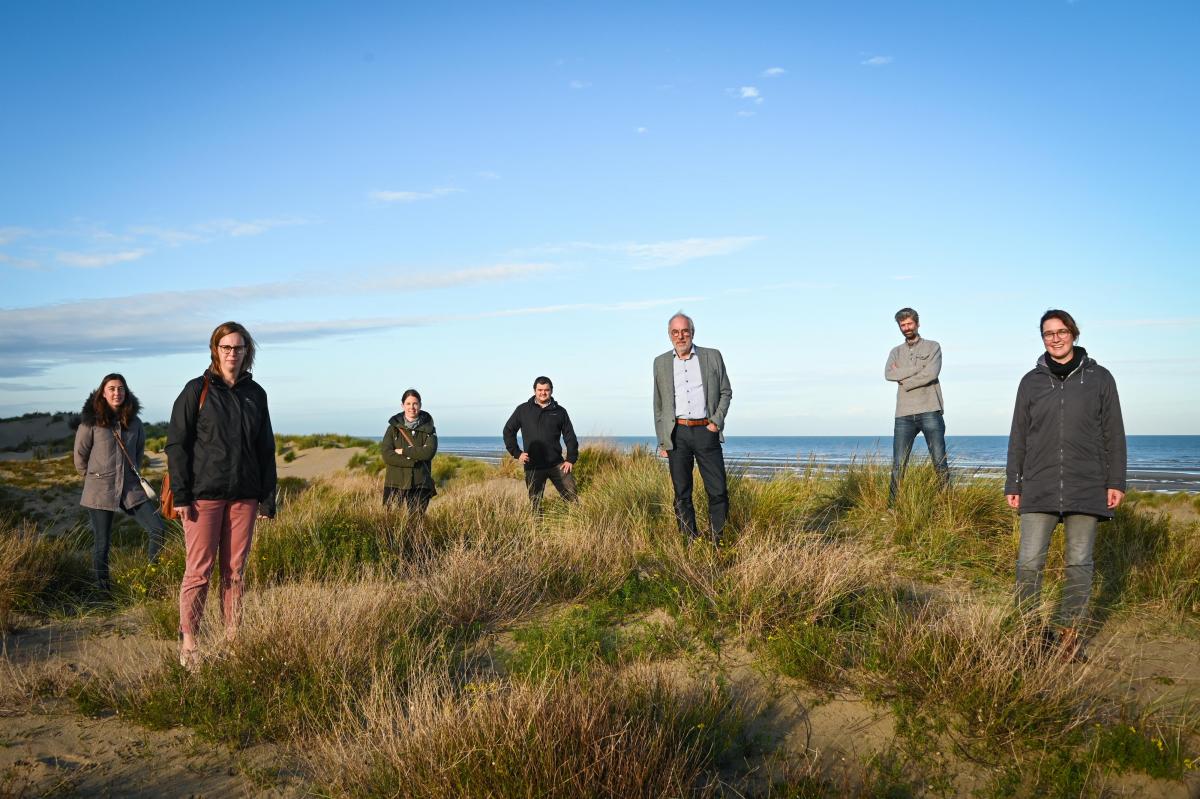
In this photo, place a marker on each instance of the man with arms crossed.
(542, 421)
(691, 399)
(915, 366)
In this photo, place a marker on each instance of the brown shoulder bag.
(168, 496)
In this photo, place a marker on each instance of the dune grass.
(480, 651)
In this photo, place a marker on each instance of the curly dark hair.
(105, 416)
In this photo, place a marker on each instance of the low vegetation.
(479, 651)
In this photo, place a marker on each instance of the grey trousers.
(1080, 531)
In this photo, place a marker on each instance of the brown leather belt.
(692, 422)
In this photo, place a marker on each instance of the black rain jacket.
(1067, 444)
(225, 450)
(540, 430)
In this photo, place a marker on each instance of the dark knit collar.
(1062, 370)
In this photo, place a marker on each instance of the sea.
(1155, 463)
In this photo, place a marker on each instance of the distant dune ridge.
(37, 429)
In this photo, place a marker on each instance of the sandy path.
(316, 462)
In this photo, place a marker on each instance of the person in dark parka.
(1066, 461)
(408, 447)
(221, 458)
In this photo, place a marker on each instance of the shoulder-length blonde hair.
(221, 332)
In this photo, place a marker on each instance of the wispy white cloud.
(877, 61)
(628, 305)
(252, 227)
(672, 253)
(85, 260)
(750, 93)
(19, 263)
(774, 72)
(745, 113)
(642, 130)
(388, 196)
(35, 339)
(1186, 321)
(11, 234)
(14, 386)
(579, 84)
(488, 174)
(653, 255)
(460, 277)
(168, 236)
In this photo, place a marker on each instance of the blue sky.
(459, 197)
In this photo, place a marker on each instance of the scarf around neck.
(1062, 370)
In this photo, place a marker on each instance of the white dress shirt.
(689, 387)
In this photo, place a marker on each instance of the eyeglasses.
(685, 333)
(231, 349)
(1048, 335)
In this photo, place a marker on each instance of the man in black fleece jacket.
(542, 422)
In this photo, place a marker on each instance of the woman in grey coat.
(109, 441)
(1066, 461)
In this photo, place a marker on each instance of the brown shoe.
(1070, 646)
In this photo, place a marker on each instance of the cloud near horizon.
(36, 339)
(88, 246)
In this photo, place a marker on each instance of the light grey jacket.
(108, 481)
(717, 392)
(916, 369)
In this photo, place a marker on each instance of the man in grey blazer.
(691, 399)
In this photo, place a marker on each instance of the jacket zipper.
(1062, 413)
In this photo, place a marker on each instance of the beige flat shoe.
(189, 659)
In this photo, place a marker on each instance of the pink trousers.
(223, 527)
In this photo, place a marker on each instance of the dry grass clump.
(785, 502)
(989, 669)
(633, 493)
(31, 566)
(638, 734)
(467, 586)
(488, 516)
(807, 579)
(1144, 558)
(23, 686)
(303, 649)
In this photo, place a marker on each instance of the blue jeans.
(929, 424)
(1080, 532)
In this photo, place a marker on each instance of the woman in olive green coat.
(408, 448)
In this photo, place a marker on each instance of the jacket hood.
(423, 419)
(88, 414)
(1085, 362)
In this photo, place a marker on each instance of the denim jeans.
(1080, 531)
(146, 515)
(933, 427)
